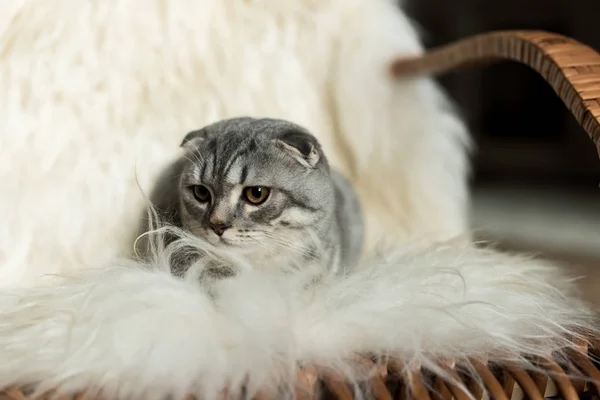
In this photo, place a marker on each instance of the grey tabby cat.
(262, 188)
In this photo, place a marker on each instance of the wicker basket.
(573, 70)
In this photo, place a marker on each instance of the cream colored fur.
(95, 97)
(96, 91)
(138, 333)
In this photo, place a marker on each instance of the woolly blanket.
(137, 332)
(96, 96)
(94, 100)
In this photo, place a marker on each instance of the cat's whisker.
(196, 153)
(305, 251)
(198, 161)
(280, 239)
(263, 244)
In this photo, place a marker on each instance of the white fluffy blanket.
(140, 333)
(96, 94)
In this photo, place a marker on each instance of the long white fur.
(137, 332)
(94, 92)
(96, 96)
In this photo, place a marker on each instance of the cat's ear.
(301, 146)
(194, 137)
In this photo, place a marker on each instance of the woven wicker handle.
(571, 68)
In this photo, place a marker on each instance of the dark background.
(523, 131)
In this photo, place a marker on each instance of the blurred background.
(536, 173)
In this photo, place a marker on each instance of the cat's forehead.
(249, 168)
(227, 142)
(241, 161)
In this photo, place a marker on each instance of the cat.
(262, 188)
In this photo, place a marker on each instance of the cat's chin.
(240, 248)
(230, 243)
(220, 242)
(227, 243)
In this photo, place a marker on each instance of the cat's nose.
(219, 228)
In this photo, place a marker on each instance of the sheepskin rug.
(95, 96)
(136, 332)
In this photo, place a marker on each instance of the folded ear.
(194, 136)
(302, 146)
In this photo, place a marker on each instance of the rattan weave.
(573, 70)
(390, 381)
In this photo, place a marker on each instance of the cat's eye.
(256, 194)
(201, 193)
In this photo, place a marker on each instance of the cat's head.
(259, 185)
